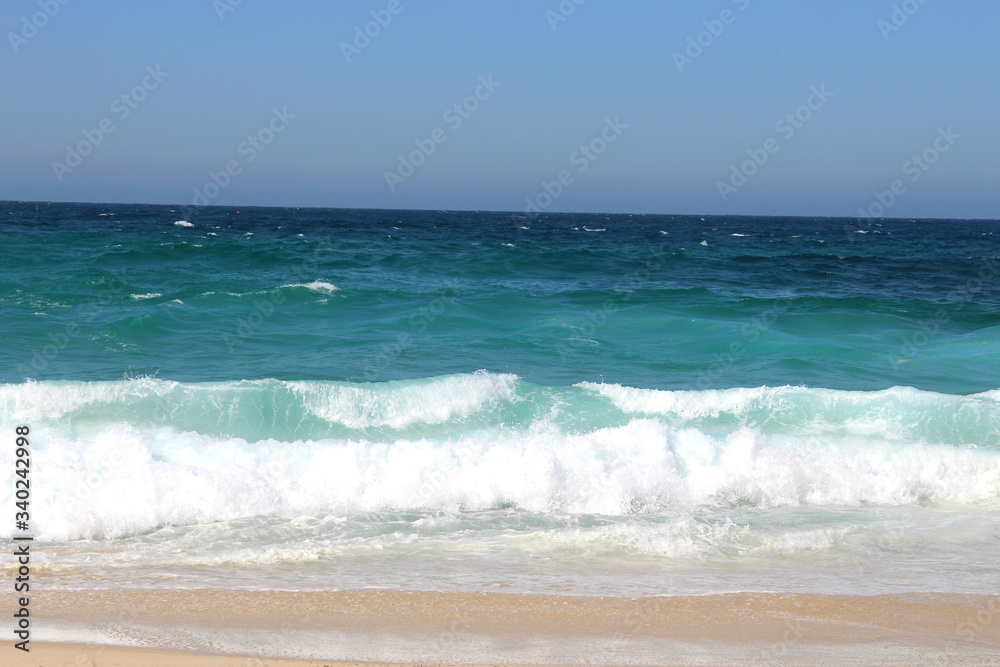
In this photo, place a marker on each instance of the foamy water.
(288, 398)
(485, 480)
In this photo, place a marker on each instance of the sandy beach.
(200, 627)
(117, 656)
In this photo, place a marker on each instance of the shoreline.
(218, 627)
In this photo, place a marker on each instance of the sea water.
(570, 404)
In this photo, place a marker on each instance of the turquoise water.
(660, 302)
(303, 398)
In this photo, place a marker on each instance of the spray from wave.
(122, 458)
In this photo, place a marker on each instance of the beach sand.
(496, 628)
(79, 655)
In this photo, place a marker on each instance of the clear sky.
(679, 123)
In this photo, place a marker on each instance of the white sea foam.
(151, 295)
(124, 458)
(122, 480)
(316, 286)
(398, 405)
(183, 223)
(901, 413)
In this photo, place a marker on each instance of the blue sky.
(681, 130)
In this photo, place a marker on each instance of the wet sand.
(496, 628)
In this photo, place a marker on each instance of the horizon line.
(512, 213)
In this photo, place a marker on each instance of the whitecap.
(316, 286)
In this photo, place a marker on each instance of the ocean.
(569, 404)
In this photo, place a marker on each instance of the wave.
(316, 286)
(309, 409)
(402, 404)
(259, 409)
(121, 480)
(899, 414)
(123, 458)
